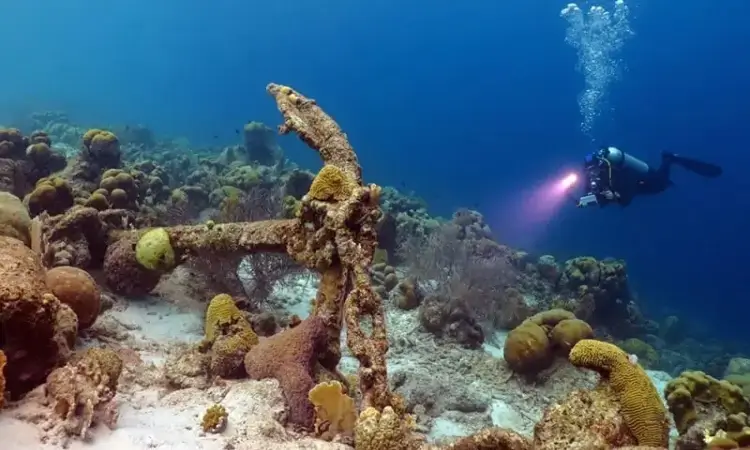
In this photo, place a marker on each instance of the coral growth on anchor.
(333, 233)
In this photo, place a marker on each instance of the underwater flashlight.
(569, 180)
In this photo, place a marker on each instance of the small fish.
(236, 131)
(633, 359)
(216, 136)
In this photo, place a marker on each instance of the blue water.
(466, 103)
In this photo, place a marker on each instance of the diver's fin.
(699, 167)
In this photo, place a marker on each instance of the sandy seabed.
(145, 333)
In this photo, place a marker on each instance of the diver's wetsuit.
(627, 184)
(622, 177)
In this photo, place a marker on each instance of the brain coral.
(77, 289)
(641, 404)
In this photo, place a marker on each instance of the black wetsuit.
(627, 183)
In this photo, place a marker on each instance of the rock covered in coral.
(51, 194)
(376, 430)
(229, 336)
(586, 420)
(77, 289)
(88, 382)
(122, 271)
(80, 236)
(28, 318)
(101, 151)
(700, 403)
(451, 318)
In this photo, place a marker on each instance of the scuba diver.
(613, 176)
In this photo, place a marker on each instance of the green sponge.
(154, 250)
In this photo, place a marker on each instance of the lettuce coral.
(335, 412)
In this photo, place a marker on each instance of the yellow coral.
(694, 386)
(384, 431)
(551, 317)
(222, 313)
(214, 419)
(331, 184)
(568, 332)
(154, 250)
(642, 408)
(527, 348)
(335, 413)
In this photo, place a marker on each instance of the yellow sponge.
(641, 405)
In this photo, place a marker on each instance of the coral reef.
(701, 404)
(240, 223)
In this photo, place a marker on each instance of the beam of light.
(525, 217)
(568, 181)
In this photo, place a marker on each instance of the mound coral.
(51, 194)
(699, 402)
(641, 405)
(77, 289)
(229, 335)
(532, 346)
